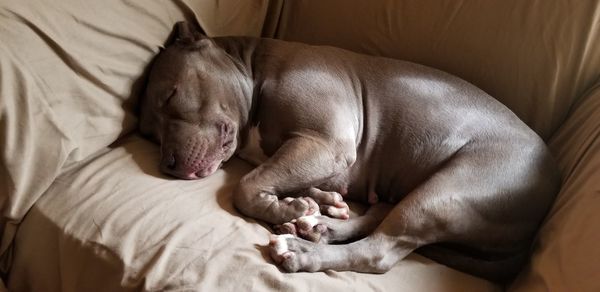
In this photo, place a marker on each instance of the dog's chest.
(251, 151)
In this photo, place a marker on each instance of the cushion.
(567, 255)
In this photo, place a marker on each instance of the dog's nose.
(168, 165)
(169, 162)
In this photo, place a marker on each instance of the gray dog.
(441, 163)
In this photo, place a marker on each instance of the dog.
(446, 168)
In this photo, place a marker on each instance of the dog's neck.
(241, 50)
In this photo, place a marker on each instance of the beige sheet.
(117, 224)
(70, 76)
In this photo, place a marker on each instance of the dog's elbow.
(242, 198)
(344, 152)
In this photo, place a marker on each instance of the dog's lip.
(207, 170)
(192, 176)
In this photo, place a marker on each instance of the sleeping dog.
(442, 164)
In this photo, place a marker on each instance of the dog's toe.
(278, 247)
(340, 210)
(285, 228)
(291, 253)
(319, 229)
(290, 263)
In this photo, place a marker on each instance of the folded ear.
(188, 34)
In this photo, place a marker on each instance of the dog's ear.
(188, 34)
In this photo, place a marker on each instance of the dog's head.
(194, 104)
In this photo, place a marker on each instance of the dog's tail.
(499, 268)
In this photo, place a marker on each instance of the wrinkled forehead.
(172, 68)
(175, 61)
(191, 75)
(178, 63)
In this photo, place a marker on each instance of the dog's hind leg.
(477, 199)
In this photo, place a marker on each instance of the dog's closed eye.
(169, 97)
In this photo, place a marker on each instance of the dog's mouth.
(195, 157)
(195, 170)
(201, 173)
(206, 171)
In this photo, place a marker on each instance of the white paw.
(279, 243)
(307, 222)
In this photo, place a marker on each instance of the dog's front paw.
(297, 207)
(293, 254)
(310, 228)
(331, 203)
(306, 227)
(313, 228)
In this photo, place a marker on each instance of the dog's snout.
(181, 167)
(170, 166)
